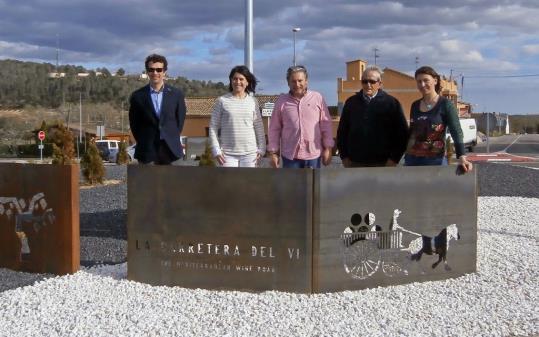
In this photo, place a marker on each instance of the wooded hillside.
(26, 84)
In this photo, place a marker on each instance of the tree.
(92, 165)
(63, 150)
(122, 157)
(120, 72)
(206, 158)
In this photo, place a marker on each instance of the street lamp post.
(294, 31)
(248, 52)
(488, 131)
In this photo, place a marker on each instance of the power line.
(501, 76)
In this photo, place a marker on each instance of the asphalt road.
(522, 145)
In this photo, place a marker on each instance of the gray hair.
(374, 69)
(296, 69)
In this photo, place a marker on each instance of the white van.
(108, 149)
(469, 133)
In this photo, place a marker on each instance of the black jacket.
(370, 134)
(147, 129)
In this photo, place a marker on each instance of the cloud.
(531, 49)
(204, 39)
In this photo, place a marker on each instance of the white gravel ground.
(499, 300)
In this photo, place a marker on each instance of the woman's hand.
(466, 165)
(220, 159)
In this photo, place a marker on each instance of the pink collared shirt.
(300, 128)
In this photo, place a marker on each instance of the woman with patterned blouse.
(429, 118)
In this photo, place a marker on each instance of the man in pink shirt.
(300, 125)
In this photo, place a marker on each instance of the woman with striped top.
(237, 116)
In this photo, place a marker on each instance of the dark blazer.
(371, 133)
(148, 129)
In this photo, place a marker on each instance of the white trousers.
(248, 160)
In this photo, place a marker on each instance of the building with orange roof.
(398, 84)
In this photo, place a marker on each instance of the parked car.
(108, 149)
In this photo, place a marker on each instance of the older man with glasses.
(373, 130)
(300, 127)
(156, 116)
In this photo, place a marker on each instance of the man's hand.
(274, 160)
(390, 162)
(326, 156)
(346, 162)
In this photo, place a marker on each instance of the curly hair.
(155, 58)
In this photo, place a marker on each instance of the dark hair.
(251, 79)
(154, 58)
(429, 71)
(296, 69)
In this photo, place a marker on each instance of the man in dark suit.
(156, 116)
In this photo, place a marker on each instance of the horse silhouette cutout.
(438, 245)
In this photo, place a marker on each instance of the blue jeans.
(300, 163)
(410, 160)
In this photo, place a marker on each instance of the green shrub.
(92, 165)
(63, 150)
(122, 157)
(206, 159)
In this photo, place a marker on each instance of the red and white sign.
(41, 135)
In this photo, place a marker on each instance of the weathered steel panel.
(416, 210)
(220, 228)
(39, 218)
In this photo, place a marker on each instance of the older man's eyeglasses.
(368, 81)
(154, 70)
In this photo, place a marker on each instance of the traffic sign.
(267, 112)
(41, 135)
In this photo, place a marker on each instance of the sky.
(493, 44)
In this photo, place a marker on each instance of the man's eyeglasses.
(154, 70)
(369, 81)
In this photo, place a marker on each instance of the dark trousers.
(164, 155)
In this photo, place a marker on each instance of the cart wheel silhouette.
(362, 259)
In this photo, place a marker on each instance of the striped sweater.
(240, 122)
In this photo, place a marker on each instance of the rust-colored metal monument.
(39, 218)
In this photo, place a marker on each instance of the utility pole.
(122, 118)
(416, 62)
(57, 54)
(462, 86)
(376, 56)
(80, 124)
